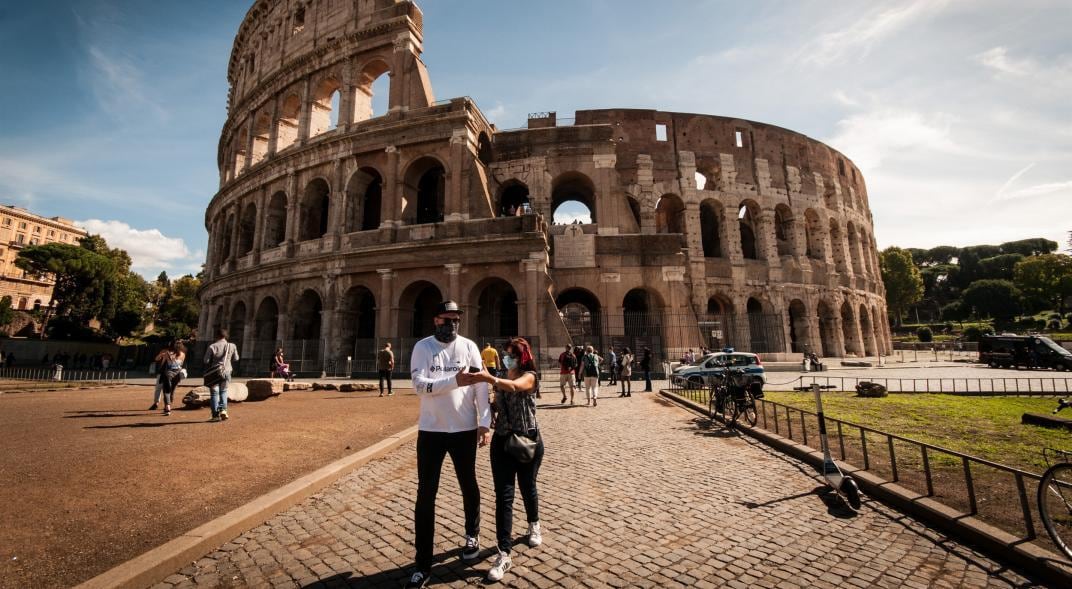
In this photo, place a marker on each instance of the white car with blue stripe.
(700, 372)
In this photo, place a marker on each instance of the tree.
(942, 254)
(999, 267)
(82, 277)
(1035, 246)
(179, 309)
(7, 314)
(1048, 277)
(999, 299)
(904, 285)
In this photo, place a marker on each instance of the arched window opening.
(634, 210)
(306, 326)
(287, 125)
(373, 92)
(799, 330)
(237, 326)
(239, 152)
(747, 216)
(701, 181)
(867, 331)
(357, 322)
(275, 222)
(266, 323)
(228, 239)
(417, 307)
(514, 200)
(484, 149)
(670, 215)
(580, 313)
(838, 245)
(854, 249)
(827, 330)
(850, 330)
(364, 197)
(708, 176)
(37, 305)
(23, 301)
(784, 230)
(710, 229)
(424, 192)
(246, 229)
(262, 127)
(640, 316)
(324, 111)
(496, 314)
(314, 210)
(573, 200)
(830, 196)
(813, 233)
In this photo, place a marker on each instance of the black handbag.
(521, 448)
(214, 375)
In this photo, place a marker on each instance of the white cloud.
(860, 36)
(870, 137)
(998, 60)
(150, 250)
(117, 83)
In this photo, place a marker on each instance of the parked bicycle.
(733, 394)
(1055, 494)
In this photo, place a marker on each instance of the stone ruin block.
(353, 387)
(297, 386)
(264, 388)
(202, 396)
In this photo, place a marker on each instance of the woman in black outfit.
(645, 365)
(515, 413)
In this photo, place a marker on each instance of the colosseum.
(339, 226)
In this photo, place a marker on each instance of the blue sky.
(957, 111)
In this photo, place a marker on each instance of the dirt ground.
(90, 478)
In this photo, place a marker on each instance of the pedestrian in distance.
(170, 361)
(645, 366)
(612, 366)
(385, 367)
(455, 418)
(490, 356)
(280, 367)
(220, 355)
(578, 353)
(590, 366)
(515, 415)
(567, 366)
(627, 373)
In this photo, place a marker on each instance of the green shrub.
(974, 333)
(925, 334)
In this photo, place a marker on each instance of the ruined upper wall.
(276, 33)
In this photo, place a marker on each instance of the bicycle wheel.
(749, 409)
(1055, 505)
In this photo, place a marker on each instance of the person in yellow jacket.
(490, 356)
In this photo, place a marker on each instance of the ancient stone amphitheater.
(339, 226)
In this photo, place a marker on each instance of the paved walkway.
(636, 492)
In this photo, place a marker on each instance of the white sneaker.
(502, 564)
(535, 537)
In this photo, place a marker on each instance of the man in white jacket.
(454, 420)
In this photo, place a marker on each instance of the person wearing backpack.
(590, 367)
(218, 359)
(627, 373)
(567, 364)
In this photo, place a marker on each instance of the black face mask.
(446, 332)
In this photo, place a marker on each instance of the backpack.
(590, 368)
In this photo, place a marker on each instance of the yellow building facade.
(20, 228)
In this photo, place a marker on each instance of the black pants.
(385, 375)
(432, 448)
(505, 469)
(647, 381)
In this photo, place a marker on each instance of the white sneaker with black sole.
(498, 570)
(417, 581)
(535, 537)
(471, 551)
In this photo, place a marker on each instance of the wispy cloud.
(118, 85)
(872, 136)
(149, 249)
(859, 37)
(1004, 65)
(1012, 180)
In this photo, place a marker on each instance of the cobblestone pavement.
(633, 493)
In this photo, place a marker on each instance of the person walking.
(578, 353)
(590, 365)
(220, 354)
(627, 373)
(385, 366)
(515, 410)
(455, 418)
(567, 365)
(170, 361)
(490, 356)
(645, 366)
(612, 366)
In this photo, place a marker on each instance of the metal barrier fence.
(957, 386)
(1000, 495)
(50, 378)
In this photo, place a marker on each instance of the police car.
(700, 373)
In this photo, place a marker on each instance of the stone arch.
(799, 327)
(247, 229)
(484, 149)
(237, 325)
(315, 209)
(837, 244)
(581, 313)
(710, 174)
(828, 329)
(762, 334)
(262, 128)
(854, 249)
(238, 151)
(416, 309)
(634, 211)
(228, 237)
(867, 331)
(865, 252)
(670, 214)
(424, 191)
(364, 199)
(642, 313)
(266, 321)
(275, 221)
(287, 123)
(719, 326)
(374, 80)
(305, 316)
(496, 308)
(748, 220)
(830, 197)
(324, 111)
(513, 199)
(357, 322)
(785, 233)
(850, 330)
(813, 235)
(711, 215)
(574, 187)
(23, 302)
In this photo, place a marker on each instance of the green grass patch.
(985, 427)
